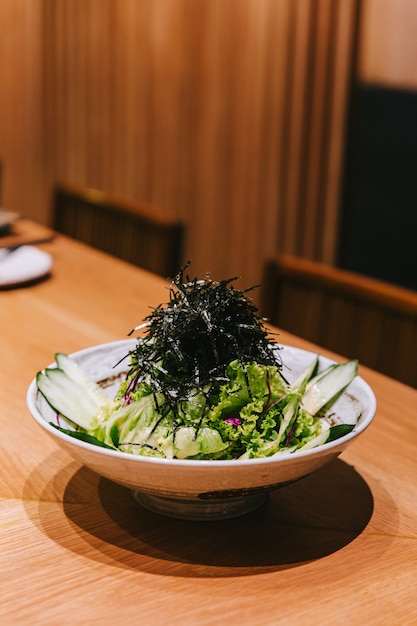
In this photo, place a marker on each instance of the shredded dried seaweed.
(190, 341)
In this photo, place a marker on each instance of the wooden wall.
(230, 112)
(388, 43)
(21, 134)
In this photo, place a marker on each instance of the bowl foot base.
(203, 510)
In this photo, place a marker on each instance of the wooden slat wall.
(230, 112)
(20, 106)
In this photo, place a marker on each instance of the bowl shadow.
(301, 522)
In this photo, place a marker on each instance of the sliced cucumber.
(299, 385)
(328, 385)
(71, 393)
(81, 436)
(89, 386)
(331, 434)
(288, 415)
(318, 440)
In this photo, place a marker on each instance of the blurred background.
(264, 125)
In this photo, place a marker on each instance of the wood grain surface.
(231, 114)
(26, 232)
(338, 547)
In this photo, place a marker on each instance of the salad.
(204, 381)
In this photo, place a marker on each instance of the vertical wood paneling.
(321, 45)
(20, 106)
(322, 37)
(296, 123)
(230, 113)
(345, 20)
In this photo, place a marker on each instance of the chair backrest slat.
(353, 315)
(137, 232)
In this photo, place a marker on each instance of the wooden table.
(338, 547)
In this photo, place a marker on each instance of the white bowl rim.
(32, 394)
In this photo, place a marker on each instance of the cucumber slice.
(328, 385)
(67, 397)
(83, 437)
(332, 433)
(288, 415)
(75, 373)
(299, 385)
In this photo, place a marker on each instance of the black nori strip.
(190, 341)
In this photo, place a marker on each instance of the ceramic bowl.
(192, 489)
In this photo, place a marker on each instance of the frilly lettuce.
(250, 415)
(253, 413)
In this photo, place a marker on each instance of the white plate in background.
(23, 265)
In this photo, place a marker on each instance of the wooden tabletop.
(337, 547)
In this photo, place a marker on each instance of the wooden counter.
(338, 547)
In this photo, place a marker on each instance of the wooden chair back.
(350, 314)
(142, 234)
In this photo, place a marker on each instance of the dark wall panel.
(379, 221)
